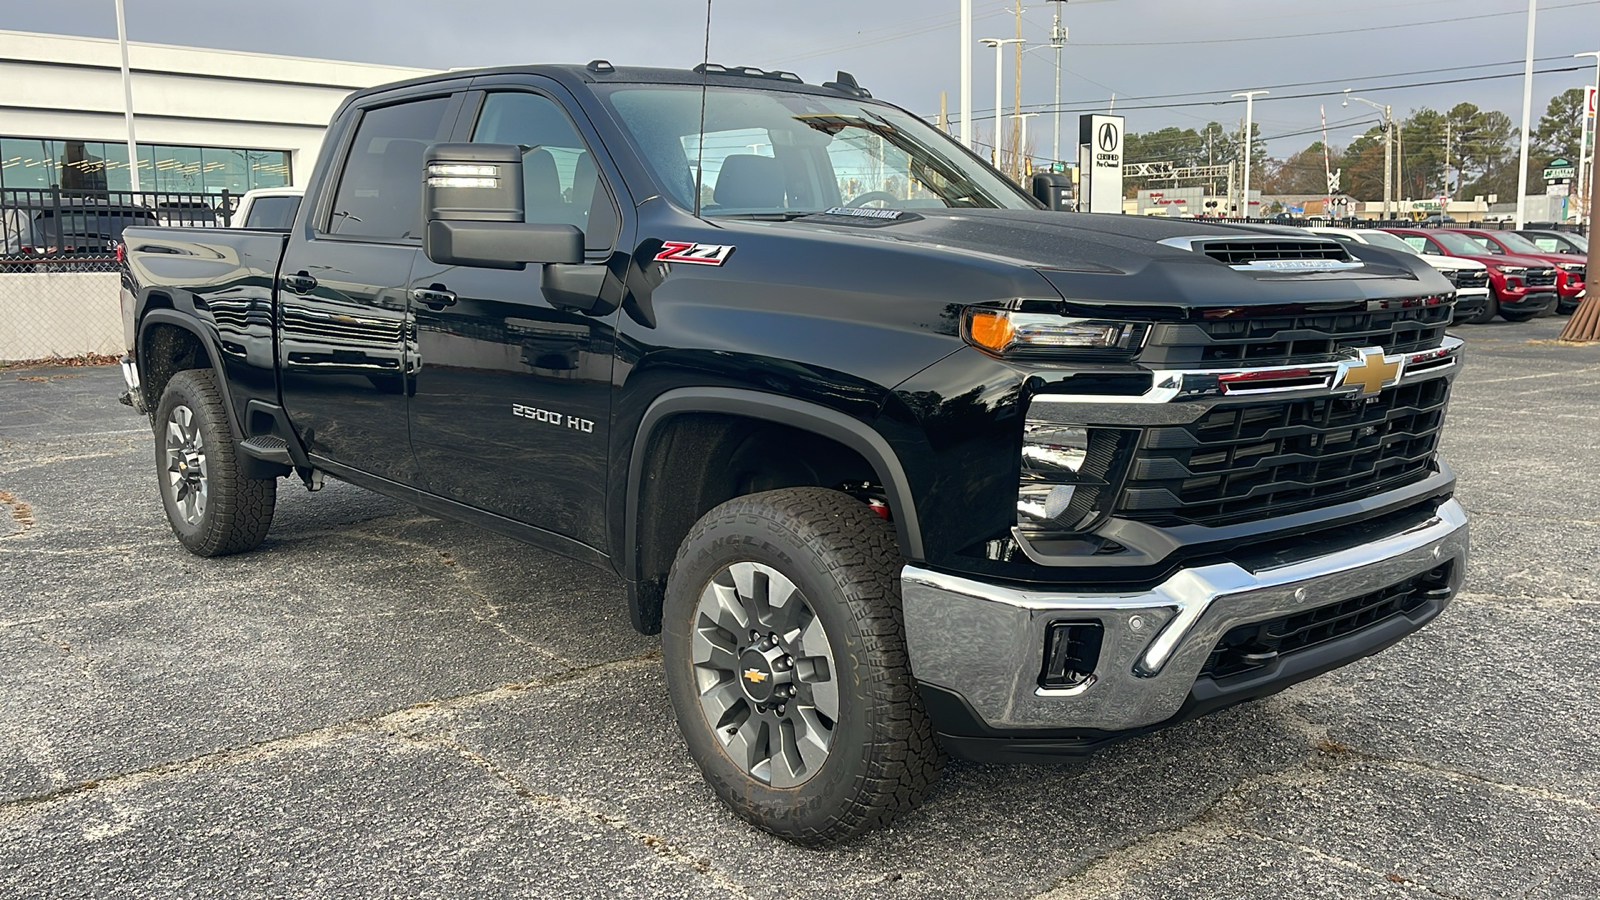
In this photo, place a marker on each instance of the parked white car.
(1471, 278)
(268, 209)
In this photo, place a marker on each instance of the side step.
(267, 448)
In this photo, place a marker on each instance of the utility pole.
(1527, 109)
(1249, 111)
(1058, 39)
(1016, 133)
(127, 100)
(966, 74)
(1399, 163)
(944, 112)
(1388, 147)
(1446, 208)
(999, 85)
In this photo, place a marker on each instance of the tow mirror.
(472, 202)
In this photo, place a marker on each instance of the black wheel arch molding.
(848, 431)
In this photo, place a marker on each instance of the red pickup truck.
(1521, 287)
(1570, 268)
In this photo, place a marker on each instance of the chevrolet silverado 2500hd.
(896, 462)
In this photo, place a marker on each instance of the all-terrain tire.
(843, 559)
(196, 457)
(1490, 310)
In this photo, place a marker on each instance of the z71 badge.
(694, 254)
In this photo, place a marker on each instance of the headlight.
(1069, 475)
(1572, 267)
(1007, 333)
(1515, 271)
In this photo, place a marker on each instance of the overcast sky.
(906, 51)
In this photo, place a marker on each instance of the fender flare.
(168, 316)
(821, 420)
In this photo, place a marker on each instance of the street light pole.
(966, 73)
(1249, 111)
(1388, 146)
(999, 76)
(127, 100)
(1022, 144)
(1527, 109)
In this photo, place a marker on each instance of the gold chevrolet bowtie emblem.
(1371, 373)
(755, 676)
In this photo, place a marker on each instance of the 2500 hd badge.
(552, 418)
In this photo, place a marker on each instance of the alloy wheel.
(186, 464)
(765, 674)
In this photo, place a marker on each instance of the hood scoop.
(1274, 254)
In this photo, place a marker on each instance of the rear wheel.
(786, 663)
(212, 507)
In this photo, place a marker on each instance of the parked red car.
(1570, 268)
(1521, 287)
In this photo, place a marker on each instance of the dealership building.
(205, 120)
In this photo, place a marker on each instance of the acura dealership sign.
(1100, 140)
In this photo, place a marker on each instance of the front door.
(345, 349)
(512, 401)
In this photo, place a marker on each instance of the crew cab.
(268, 209)
(1570, 269)
(1470, 278)
(896, 462)
(1522, 286)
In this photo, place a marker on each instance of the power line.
(1370, 28)
(1280, 97)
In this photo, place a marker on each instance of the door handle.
(434, 297)
(300, 283)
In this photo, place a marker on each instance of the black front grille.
(1238, 463)
(1237, 253)
(1541, 277)
(1274, 340)
(1249, 647)
(1471, 279)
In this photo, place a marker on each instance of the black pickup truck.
(898, 463)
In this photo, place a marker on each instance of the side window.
(380, 189)
(1488, 245)
(560, 182)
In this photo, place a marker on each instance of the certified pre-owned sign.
(1100, 159)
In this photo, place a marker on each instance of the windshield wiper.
(774, 216)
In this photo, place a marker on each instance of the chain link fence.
(59, 281)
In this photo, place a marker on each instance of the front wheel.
(212, 507)
(1490, 308)
(786, 664)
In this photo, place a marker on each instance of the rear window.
(272, 213)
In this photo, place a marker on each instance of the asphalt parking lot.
(381, 704)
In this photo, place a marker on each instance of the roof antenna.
(705, 75)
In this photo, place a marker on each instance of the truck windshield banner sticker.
(864, 213)
(694, 254)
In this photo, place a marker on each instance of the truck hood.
(1110, 259)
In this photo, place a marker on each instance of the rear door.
(344, 351)
(512, 406)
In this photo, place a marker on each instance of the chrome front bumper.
(986, 643)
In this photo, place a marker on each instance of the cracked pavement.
(379, 703)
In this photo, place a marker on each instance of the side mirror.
(472, 203)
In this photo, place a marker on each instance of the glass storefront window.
(35, 164)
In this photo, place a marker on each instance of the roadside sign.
(1588, 102)
(1560, 169)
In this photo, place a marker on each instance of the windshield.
(1459, 244)
(1516, 243)
(1388, 242)
(770, 152)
